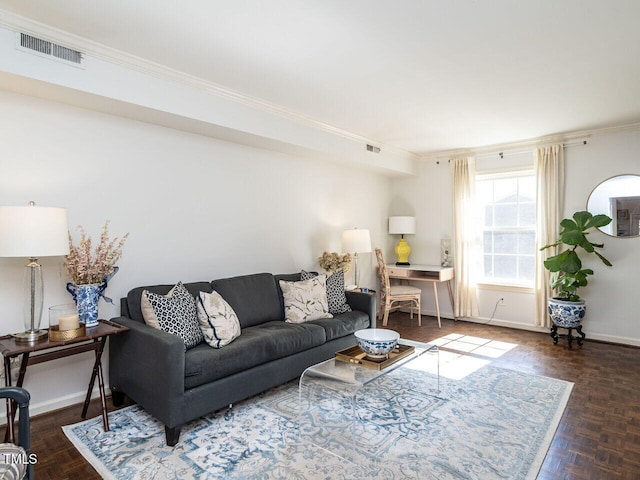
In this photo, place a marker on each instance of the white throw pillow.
(218, 322)
(305, 300)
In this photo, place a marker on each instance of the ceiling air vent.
(48, 49)
(371, 148)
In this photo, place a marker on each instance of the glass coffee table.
(353, 411)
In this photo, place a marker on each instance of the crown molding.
(94, 49)
(530, 143)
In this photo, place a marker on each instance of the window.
(508, 227)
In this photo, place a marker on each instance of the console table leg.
(9, 434)
(97, 372)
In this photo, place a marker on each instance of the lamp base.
(403, 250)
(30, 336)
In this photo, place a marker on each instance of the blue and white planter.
(566, 314)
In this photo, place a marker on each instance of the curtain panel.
(465, 243)
(550, 171)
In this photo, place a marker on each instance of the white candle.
(68, 322)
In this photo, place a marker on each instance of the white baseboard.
(55, 404)
(600, 337)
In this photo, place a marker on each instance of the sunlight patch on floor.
(461, 355)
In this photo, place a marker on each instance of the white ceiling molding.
(90, 48)
(531, 143)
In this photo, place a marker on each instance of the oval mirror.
(619, 198)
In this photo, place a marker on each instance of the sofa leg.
(172, 435)
(117, 398)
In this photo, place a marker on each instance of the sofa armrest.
(364, 302)
(148, 365)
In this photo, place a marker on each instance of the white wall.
(196, 209)
(610, 295)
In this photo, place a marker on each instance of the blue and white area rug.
(492, 424)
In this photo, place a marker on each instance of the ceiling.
(420, 75)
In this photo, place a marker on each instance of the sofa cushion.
(305, 300)
(218, 322)
(254, 298)
(257, 345)
(343, 324)
(176, 313)
(335, 291)
(134, 296)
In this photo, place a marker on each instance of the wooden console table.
(426, 273)
(94, 339)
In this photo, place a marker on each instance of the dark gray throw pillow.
(335, 291)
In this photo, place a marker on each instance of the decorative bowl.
(377, 343)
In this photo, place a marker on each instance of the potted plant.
(566, 309)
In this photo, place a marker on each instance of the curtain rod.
(564, 145)
(517, 152)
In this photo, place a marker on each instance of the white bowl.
(377, 342)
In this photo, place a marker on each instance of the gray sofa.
(152, 368)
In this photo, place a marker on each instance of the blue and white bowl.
(377, 343)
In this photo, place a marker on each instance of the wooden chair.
(393, 297)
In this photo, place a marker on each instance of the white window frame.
(497, 175)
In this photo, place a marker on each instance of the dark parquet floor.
(598, 437)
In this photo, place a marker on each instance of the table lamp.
(33, 232)
(356, 241)
(402, 226)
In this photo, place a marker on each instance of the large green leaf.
(571, 262)
(598, 221)
(554, 264)
(569, 225)
(582, 218)
(573, 237)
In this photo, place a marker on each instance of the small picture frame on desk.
(364, 290)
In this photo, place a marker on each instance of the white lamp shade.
(402, 225)
(32, 231)
(356, 241)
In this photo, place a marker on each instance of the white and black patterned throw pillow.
(177, 314)
(335, 291)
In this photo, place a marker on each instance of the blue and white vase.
(87, 297)
(566, 314)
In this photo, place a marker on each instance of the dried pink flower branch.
(85, 266)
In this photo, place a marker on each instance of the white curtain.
(465, 242)
(549, 165)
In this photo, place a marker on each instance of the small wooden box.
(357, 356)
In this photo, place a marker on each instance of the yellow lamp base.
(403, 250)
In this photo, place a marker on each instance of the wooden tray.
(357, 356)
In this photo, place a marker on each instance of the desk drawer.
(398, 272)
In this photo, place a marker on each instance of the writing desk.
(426, 273)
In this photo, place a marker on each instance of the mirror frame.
(623, 220)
